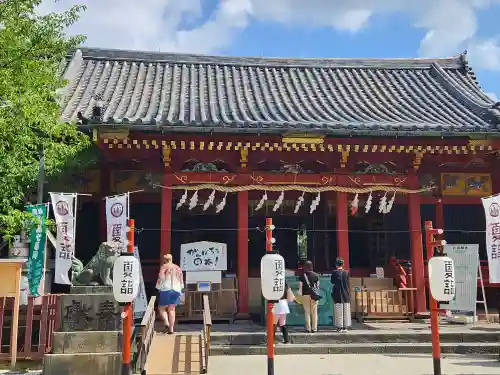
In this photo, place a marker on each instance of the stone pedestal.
(89, 338)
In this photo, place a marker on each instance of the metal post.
(269, 310)
(41, 174)
(436, 345)
(127, 313)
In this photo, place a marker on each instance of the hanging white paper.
(141, 301)
(64, 214)
(116, 219)
(492, 211)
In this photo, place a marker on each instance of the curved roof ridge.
(475, 104)
(454, 62)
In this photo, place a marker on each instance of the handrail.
(205, 334)
(143, 337)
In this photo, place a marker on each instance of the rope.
(258, 229)
(306, 189)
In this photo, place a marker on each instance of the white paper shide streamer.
(382, 204)
(261, 202)
(193, 202)
(210, 201)
(315, 203)
(368, 204)
(389, 205)
(221, 205)
(182, 200)
(299, 203)
(279, 201)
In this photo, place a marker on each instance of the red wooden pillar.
(342, 228)
(417, 251)
(104, 190)
(166, 219)
(242, 259)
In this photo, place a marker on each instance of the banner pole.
(270, 315)
(127, 313)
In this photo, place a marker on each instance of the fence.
(37, 322)
(143, 337)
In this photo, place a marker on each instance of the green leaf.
(33, 48)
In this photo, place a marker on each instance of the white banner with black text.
(492, 212)
(64, 213)
(116, 219)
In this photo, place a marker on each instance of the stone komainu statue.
(99, 270)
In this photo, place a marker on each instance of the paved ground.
(354, 364)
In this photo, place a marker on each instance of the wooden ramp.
(174, 354)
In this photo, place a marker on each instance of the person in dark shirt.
(341, 297)
(308, 279)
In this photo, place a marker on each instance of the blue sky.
(299, 28)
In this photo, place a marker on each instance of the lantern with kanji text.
(272, 276)
(126, 278)
(442, 278)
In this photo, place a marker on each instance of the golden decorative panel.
(468, 184)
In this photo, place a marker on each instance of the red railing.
(37, 322)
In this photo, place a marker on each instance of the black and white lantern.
(442, 278)
(126, 278)
(272, 276)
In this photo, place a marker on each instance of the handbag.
(315, 292)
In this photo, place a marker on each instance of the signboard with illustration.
(203, 256)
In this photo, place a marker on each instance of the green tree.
(32, 54)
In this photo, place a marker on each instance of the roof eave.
(282, 131)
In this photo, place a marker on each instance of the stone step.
(358, 348)
(82, 364)
(396, 336)
(86, 342)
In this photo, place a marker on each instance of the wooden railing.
(37, 322)
(205, 334)
(142, 337)
(388, 304)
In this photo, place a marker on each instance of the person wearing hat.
(170, 285)
(341, 297)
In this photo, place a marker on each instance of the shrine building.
(348, 157)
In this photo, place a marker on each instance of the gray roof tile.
(234, 93)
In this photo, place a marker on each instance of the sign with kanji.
(466, 261)
(116, 219)
(64, 213)
(38, 239)
(272, 276)
(441, 278)
(203, 256)
(126, 278)
(492, 212)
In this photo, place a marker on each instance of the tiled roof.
(195, 93)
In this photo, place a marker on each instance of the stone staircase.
(359, 342)
(89, 339)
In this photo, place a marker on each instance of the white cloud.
(493, 96)
(485, 54)
(157, 24)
